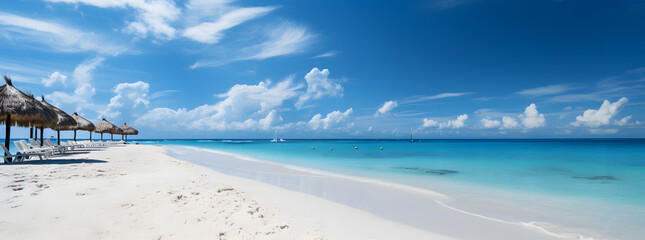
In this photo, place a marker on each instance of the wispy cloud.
(421, 98)
(162, 93)
(281, 40)
(327, 54)
(630, 83)
(152, 17)
(51, 36)
(212, 32)
(285, 39)
(546, 90)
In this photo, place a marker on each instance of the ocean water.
(591, 186)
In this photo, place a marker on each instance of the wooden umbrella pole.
(31, 132)
(7, 134)
(74, 135)
(58, 132)
(41, 135)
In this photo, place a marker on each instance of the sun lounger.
(18, 157)
(35, 144)
(24, 147)
(60, 149)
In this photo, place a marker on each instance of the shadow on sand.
(55, 161)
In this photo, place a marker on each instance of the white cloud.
(82, 77)
(454, 124)
(162, 93)
(212, 32)
(130, 101)
(547, 90)
(532, 118)
(623, 121)
(282, 40)
(319, 85)
(386, 108)
(50, 36)
(429, 123)
(153, 16)
(327, 54)
(243, 107)
(369, 129)
(415, 99)
(600, 117)
(509, 122)
(604, 131)
(331, 120)
(490, 123)
(270, 120)
(53, 78)
(285, 39)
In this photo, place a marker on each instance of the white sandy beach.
(138, 192)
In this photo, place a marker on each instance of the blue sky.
(333, 69)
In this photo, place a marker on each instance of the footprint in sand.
(224, 190)
(80, 194)
(127, 205)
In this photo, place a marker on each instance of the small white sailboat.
(275, 138)
(411, 138)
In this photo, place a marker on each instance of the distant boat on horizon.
(275, 138)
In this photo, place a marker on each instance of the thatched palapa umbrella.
(116, 130)
(104, 127)
(127, 130)
(83, 124)
(18, 108)
(65, 121)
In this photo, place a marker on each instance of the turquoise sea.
(594, 185)
(590, 185)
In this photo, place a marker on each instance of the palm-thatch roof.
(117, 130)
(127, 130)
(25, 111)
(65, 121)
(82, 123)
(104, 127)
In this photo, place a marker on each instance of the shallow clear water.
(595, 185)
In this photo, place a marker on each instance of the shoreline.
(541, 230)
(148, 191)
(139, 192)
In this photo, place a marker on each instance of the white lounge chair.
(23, 147)
(18, 157)
(60, 149)
(95, 143)
(72, 145)
(35, 144)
